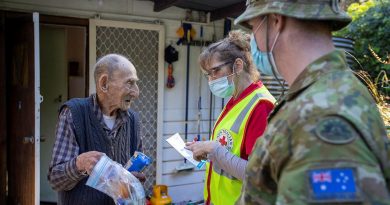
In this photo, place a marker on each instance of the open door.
(23, 98)
(3, 116)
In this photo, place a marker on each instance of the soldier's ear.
(277, 22)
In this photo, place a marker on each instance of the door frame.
(37, 19)
(38, 100)
(93, 23)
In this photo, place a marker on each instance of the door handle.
(29, 139)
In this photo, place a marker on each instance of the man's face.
(123, 88)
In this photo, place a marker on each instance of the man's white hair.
(108, 64)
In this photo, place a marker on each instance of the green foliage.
(370, 28)
(356, 10)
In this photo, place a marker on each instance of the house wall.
(185, 185)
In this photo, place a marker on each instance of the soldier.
(325, 141)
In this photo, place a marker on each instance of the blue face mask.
(221, 87)
(261, 60)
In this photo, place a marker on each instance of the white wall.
(184, 185)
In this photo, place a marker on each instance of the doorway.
(64, 75)
(63, 51)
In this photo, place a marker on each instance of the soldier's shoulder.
(335, 90)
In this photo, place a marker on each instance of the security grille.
(141, 47)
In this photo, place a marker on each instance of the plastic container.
(138, 162)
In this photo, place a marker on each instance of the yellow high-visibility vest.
(225, 189)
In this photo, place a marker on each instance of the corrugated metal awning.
(218, 8)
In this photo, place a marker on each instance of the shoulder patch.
(335, 130)
(333, 185)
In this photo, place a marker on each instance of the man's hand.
(140, 176)
(86, 161)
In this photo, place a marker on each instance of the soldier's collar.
(325, 64)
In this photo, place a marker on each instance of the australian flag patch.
(333, 185)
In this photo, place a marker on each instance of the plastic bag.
(114, 180)
(138, 162)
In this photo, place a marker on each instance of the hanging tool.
(210, 115)
(187, 87)
(188, 31)
(227, 27)
(200, 89)
(211, 112)
(170, 78)
(171, 55)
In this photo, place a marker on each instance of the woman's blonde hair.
(235, 45)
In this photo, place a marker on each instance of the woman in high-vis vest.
(229, 69)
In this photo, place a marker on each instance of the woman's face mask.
(221, 87)
(261, 60)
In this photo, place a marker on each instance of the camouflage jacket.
(325, 142)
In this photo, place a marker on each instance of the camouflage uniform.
(326, 132)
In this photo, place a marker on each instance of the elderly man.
(325, 141)
(89, 127)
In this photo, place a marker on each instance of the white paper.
(177, 142)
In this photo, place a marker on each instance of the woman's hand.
(200, 149)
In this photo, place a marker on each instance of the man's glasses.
(214, 70)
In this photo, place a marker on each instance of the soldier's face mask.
(262, 59)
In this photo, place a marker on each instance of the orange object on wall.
(170, 79)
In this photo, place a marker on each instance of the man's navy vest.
(91, 136)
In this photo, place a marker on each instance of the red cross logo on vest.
(225, 139)
(222, 140)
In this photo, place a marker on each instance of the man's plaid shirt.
(63, 174)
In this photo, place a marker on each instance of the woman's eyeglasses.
(214, 70)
